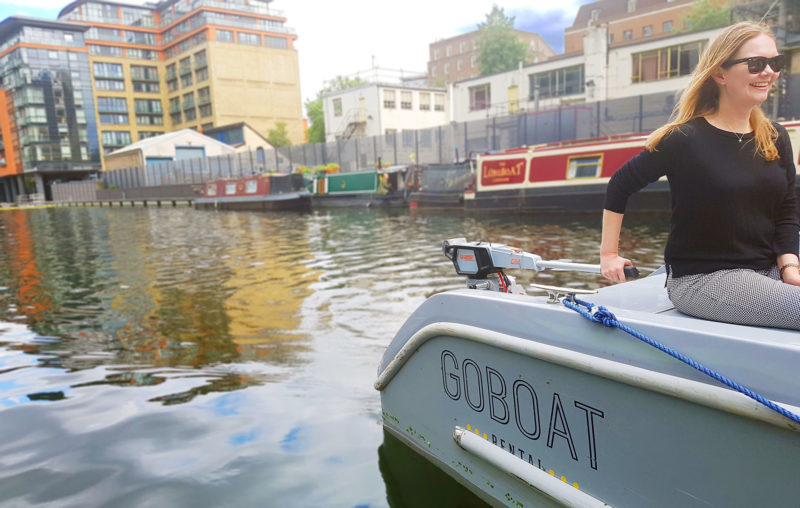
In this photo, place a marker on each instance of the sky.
(344, 37)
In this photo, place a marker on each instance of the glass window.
(112, 105)
(627, 35)
(584, 166)
(405, 100)
(667, 26)
(558, 82)
(116, 138)
(337, 107)
(108, 70)
(248, 38)
(665, 63)
(224, 35)
(424, 101)
(205, 110)
(389, 99)
(647, 30)
(109, 84)
(275, 42)
(114, 119)
(438, 104)
(479, 97)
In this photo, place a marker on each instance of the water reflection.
(163, 356)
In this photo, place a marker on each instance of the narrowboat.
(384, 187)
(258, 192)
(568, 176)
(553, 400)
(439, 186)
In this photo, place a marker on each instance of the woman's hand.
(612, 266)
(791, 275)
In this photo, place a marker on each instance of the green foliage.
(316, 131)
(279, 136)
(500, 50)
(706, 14)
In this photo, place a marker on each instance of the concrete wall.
(257, 85)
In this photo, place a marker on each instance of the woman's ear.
(719, 77)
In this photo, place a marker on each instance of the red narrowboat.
(258, 192)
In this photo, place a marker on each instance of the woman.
(732, 249)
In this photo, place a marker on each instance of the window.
(595, 15)
(389, 99)
(448, 51)
(631, 5)
(190, 115)
(436, 54)
(203, 96)
(667, 27)
(627, 35)
(584, 166)
(174, 104)
(224, 35)
(405, 100)
(459, 65)
(142, 54)
(144, 86)
(144, 73)
(109, 84)
(200, 59)
(647, 30)
(175, 118)
(461, 46)
(558, 82)
(116, 138)
(473, 61)
(665, 63)
(94, 49)
(111, 105)
(337, 107)
(434, 70)
(446, 68)
(152, 106)
(249, 39)
(610, 38)
(205, 110)
(68, 37)
(188, 100)
(201, 75)
(438, 104)
(424, 101)
(186, 80)
(275, 42)
(185, 66)
(148, 134)
(149, 120)
(114, 119)
(172, 85)
(479, 97)
(108, 70)
(251, 186)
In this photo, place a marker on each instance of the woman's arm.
(611, 264)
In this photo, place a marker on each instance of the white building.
(600, 73)
(172, 146)
(378, 108)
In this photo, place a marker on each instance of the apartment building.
(195, 64)
(456, 58)
(627, 21)
(48, 126)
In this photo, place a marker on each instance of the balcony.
(136, 76)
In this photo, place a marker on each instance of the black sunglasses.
(756, 64)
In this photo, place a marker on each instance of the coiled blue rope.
(599, 314)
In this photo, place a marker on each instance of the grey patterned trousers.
(742, 296)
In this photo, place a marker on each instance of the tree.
(706, 14)
(278, 136)
(500, 50)
(316, 132)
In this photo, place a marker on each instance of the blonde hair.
(701, 96)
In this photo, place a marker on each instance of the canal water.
(173, 357)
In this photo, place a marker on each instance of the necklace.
(740, 137)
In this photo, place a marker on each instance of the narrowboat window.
(230, 188)
(211, 189)
(584, 167)
(251, 187)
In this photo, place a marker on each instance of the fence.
(438, 145)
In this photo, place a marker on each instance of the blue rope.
(599, 314)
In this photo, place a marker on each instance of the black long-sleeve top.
(731, 208)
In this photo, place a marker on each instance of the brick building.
(456, 58)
